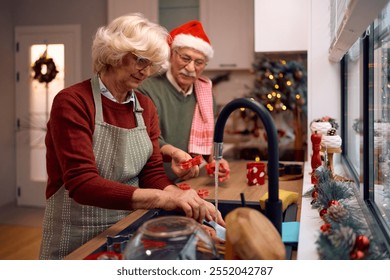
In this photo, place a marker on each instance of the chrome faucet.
(273, 205)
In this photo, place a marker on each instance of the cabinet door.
(229, 26)
(281, 25)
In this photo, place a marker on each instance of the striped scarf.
(202, 129)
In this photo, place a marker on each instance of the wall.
(7, 107)
(90, 14)
(323, 75)
(240, 84)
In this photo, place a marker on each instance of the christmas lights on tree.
(280, 84)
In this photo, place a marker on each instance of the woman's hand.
(192, 205)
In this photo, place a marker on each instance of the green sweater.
(175, 111)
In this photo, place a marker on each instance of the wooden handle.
(251, 236)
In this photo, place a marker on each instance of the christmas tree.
(280, 84)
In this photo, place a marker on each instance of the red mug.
(255, 173)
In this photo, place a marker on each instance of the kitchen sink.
(224, 206)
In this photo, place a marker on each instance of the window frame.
(366, 181)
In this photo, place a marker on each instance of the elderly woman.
(103, 156)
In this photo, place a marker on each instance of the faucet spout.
(273, 205)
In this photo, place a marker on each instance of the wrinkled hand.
(192, 205)
(178, 157)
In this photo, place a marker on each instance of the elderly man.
(185, 103)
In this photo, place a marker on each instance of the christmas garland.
(51, 70)
(344, 235)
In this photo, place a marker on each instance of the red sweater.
(70, 158)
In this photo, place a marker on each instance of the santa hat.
(192, 35)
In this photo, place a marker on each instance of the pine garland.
(345, 234)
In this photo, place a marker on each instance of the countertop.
(229, 190)
(310, 222)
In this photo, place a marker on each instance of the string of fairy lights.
(280, 84)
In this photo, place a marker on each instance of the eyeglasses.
(143, 63)
(186, 59)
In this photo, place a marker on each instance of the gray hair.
(131, 33)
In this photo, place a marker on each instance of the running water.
(216, 189)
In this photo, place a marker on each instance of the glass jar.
(171, 238)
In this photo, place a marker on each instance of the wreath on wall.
(38, 68)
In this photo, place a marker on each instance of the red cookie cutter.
(184, 186)
(153, 244)
(203, 193)
(191, 162)
(105, 256)
(210, 168)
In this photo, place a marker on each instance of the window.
(353, 127)
(380, 127)
(366, 120)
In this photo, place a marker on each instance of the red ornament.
(323, 212)
(314, 195)
(333, 202)
(314, 179)
(357, 255)
(325, 227)
(362, 243)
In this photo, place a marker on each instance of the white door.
(47, 59)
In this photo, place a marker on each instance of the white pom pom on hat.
(192, 35)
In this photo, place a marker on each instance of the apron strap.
(97, 98)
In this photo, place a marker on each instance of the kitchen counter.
(310, 222)
(229, 190)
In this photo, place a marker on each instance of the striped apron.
(120, 156)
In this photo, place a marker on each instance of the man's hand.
(178, 157)
(223, 170)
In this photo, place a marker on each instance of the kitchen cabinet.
(229, 26)
(116, 8)
(172, 13)
(281, 25)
